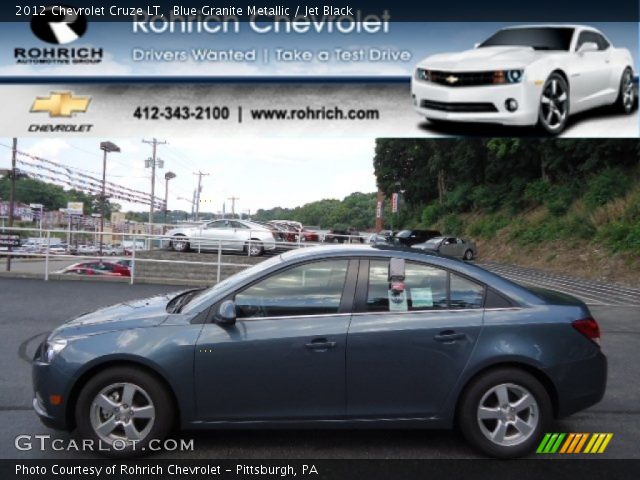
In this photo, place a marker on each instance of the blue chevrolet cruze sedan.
(347, 336)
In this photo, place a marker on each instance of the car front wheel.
(122, 409)
(504, 413)
(553, 111)
(254, 248)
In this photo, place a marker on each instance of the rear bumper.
(482, 104)
(580, 384)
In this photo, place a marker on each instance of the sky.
(419, 38)
(263, 172)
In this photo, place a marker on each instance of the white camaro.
(526, 75)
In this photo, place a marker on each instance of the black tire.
(473, 394)
(468, 255)
(254, 248)
(179, 243)
(625, 103)
(553, 125)
(161, 399)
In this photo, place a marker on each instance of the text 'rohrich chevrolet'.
(526, 75)
(328, 337)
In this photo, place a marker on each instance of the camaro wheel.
(627, 94)
(254, 248)
(180, 244)
(468, 255)
(505, 412)
(554, 104)
(123, 409)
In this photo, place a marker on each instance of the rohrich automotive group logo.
(57, 105)
(56, 28)
(58, 25)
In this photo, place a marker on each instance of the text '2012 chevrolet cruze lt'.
(346, 336)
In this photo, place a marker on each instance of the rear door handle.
(320, 344)
(449, 336)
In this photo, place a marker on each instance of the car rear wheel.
(254, 248)
(504, 413)
(627, 95)
(122, 409)
(468, 255)
(179, 243)
(553, 111)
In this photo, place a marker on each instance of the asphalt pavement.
(29, 308)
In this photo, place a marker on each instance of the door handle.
(320, 344)
(449, 336)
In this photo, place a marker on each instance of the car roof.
(567, 25)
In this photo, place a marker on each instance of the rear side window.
(426, 288)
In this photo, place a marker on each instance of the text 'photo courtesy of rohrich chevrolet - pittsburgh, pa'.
(349, 240)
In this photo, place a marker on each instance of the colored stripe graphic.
(574, 442)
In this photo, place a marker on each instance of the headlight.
(53, 348)
(507, 76)
(423, 74)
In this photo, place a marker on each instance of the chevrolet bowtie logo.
(60, 104)
(452, 79)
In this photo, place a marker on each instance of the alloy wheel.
(554, 104)
(508, 414)
(122, 412)
(628, 92)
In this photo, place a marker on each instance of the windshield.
(206, 296)
(539, 38)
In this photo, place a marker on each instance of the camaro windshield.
(539, 38)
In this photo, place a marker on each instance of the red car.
(109, 269)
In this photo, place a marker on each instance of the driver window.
(310, 289)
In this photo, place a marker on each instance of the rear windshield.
(539, 38)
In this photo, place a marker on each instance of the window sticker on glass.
(398, 301)
(421, 298)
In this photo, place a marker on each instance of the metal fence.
(156, 243)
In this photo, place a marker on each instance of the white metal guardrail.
(197, 244)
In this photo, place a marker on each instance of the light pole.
(167, 176)
(106, 147)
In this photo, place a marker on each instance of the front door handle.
(320, 344)
(449, 336)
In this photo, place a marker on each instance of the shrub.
(604, 187)
(452, 225)
(559, 199)
(621, 236)
(431, 214)
(487, 197)
(459, 199)
(488, 226)
(536, 192)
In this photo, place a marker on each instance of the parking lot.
(31, 308)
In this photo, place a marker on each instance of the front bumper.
(49, 380)
(481, 104)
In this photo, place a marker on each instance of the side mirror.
(588, 47)
(226, 314)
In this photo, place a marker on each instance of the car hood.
(485, 58)
(147, 312)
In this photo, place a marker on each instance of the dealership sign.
(9, 240)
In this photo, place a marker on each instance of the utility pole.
(198, 191)
(12, 194)
(106, 147)
(167, 176)
(233, 205)
(153, 162)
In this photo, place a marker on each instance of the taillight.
(588, 327)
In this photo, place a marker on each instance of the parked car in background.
(327, 338)
(87, 250)
(378, 239)
(113, 250)
(451, 246)
(339, 235)
(407, 238)
(97, 268)
(231, 235)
